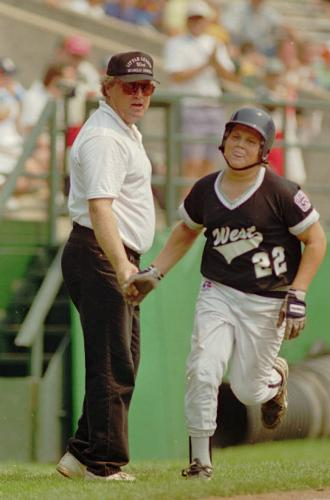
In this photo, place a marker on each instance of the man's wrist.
(155, 272)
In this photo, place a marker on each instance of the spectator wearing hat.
(8, 71)
(75, 50)
(197, 63)
(111, 206)
(82, 83)
(83, 80)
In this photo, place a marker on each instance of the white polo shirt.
(108, 160)
(184, 52)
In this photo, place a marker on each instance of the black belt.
(89, 235)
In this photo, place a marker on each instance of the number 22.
(263, 264)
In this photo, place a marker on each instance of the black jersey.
(250, 242)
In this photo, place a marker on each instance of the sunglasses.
(132, 88)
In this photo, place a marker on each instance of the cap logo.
(130, 65)
(139, 62)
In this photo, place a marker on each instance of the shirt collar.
(133, 130)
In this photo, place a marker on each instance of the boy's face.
(242, 146)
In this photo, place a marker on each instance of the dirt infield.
(287, 495)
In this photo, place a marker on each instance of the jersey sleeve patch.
(302, 201)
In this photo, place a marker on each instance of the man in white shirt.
(111, 206)
(196, 63)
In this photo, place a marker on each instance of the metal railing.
(46, 121)
(31, 333)
(170, 138)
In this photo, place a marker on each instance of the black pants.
(112, 350)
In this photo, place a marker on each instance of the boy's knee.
(249, 394)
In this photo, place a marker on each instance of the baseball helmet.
(257, 119)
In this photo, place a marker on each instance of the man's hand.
(293, 312)
(124, 272)
(140, 284)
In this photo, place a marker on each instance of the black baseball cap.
(131, 67)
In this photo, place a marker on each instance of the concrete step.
(17, 364)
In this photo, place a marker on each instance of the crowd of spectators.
(70, 79)
(245, 46)
(251, 44)
(142, 12)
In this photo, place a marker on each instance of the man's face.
(197, 25)
(242, 146)
(129, 100)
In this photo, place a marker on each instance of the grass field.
(266, 467)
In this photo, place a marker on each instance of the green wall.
(12, 268)
(317, 328)
(19, 242)
(157, 427)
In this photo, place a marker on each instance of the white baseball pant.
(236, 327)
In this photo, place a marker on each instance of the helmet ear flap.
(262, 154)
(264, 151)
(228, 128)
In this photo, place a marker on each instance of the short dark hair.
(53, 71)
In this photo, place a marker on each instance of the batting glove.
(143, 282)
(293, 312)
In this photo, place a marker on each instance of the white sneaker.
(117, 476)
(70, 466)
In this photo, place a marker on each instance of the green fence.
(157, 427)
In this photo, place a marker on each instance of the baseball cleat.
(274, 410)
(69, 466)
(116, 476)
(198, 471)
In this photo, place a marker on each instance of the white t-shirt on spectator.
(34, 101)
(10, 139)
(185, 52)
